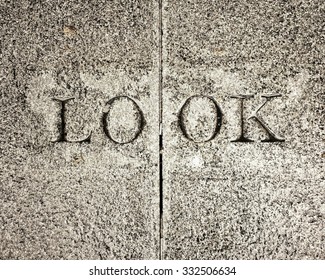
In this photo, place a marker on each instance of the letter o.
(182, 117)
(106, 120)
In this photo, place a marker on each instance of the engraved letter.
(272, 136)
(139, 119)
(63, 133)
(217, 119)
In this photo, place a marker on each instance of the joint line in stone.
(160, 32)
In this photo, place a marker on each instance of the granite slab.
(79, 130)
(243, 129)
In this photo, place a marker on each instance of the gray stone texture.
(235, 200)
(97, 200)
(65, 198)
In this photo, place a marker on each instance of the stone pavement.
(256, 190)
(162, 129)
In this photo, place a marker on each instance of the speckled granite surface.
(244, 200)
(68, 200)
(238, 172)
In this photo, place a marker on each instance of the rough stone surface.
(97, 200)
(62, 197)
(239, 200)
